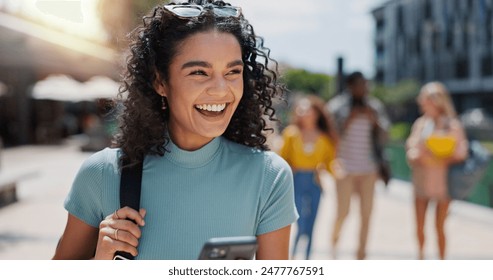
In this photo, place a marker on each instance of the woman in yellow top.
(308, 144)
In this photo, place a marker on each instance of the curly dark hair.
(154, 44)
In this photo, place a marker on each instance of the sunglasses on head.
(190, 10)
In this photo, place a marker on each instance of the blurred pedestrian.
(198, 88)
(309, 147)
(437, 140)
(362, 123)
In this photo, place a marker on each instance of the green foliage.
(300, 80)
(402, 92)
(400, 131)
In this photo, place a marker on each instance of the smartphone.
(229, 248)
(119, 258)
(122, 256)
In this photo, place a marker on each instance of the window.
(462, 68)
(380, 50)
(380, 24)
(400, 18)
(449, 35)
(428, 10)
(487, 65)
(436, 41)
(379, 76)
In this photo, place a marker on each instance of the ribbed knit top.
(222, 189)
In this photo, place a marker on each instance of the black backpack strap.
(130, 186)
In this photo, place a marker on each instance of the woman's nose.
(218, 87)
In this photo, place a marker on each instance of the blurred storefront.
(31, 52)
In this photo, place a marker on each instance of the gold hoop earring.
(164, 106)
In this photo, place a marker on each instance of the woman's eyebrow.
(198, 63)
(195, 63)
(235, 63)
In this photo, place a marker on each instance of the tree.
(400, 103)
(402, 92)
(300, 80)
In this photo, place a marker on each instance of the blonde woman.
(429, 162)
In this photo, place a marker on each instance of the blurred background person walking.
(362, 123)
(309, 146)
(437, 140)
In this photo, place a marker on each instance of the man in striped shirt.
(362, 124)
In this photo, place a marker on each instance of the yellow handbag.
(441, 146)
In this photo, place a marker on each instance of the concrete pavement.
(30, 228)
(392, 231)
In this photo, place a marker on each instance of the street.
(30, 228)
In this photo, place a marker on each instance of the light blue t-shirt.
(222, 189)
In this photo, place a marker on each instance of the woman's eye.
(198, 72)
(235, 72)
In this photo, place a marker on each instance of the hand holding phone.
(229, 248)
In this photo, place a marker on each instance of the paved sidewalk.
(30, 228)
(469, 227)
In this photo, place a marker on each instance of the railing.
(482, 193)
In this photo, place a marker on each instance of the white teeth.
(211, 108)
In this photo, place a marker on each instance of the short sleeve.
(278, 209)
(84, 200)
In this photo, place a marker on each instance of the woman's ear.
(159, 86)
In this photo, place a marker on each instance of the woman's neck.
(435, 118)
(309, 134)
(439, 121)
(189, 143)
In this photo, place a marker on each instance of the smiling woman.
(199, 87)
(206, 74)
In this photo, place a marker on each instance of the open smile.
(211, 110)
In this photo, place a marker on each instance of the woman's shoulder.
(237, 149)
(291, 131)
(103, 159)
(339, 101)
(420, 121)
(255, 156)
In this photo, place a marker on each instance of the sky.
(311, 34)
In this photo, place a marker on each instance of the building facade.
(446, 40)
